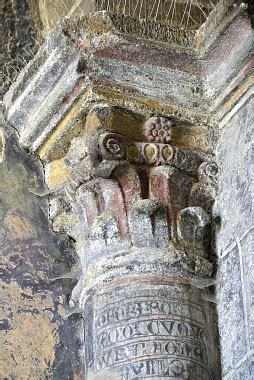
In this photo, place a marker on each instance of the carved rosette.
(139, 211)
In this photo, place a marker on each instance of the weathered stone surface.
(246, 372)
(235, 293)
(204, 191)
(194, 229)
(246, 248)
(234, 204)
(18, 42)
(172, 188)
(74, 68)
(235, 243)
(151, 215)
(158, 331)
(125, 225)
(238, 41)
(158, 129)
(231, 312)
(36, 338)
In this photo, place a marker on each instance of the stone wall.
(18, 40)
(235, 233)
(38, 341)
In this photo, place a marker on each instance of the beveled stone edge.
(128, 26)
(223, 13)
(157, 33)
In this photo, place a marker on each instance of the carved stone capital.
(123, 194)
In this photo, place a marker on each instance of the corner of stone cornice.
(126, 27)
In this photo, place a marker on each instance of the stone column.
(139, 212)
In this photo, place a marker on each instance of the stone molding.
(80, 66)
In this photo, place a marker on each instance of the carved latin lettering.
(149, 328)
(145, 308)
(134, 351)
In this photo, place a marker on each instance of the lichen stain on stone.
(32, 317)
(13, 182)
(28, 346)
(17, 227)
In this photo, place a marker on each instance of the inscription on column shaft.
(150, 333)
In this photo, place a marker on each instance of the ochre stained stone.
(58, 142)
(149, 151)
(57, 173)
(17, 227)
(115, 120)
(133, 152)
(30, 341)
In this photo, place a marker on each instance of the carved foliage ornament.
(117, 180)
(156, 150)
